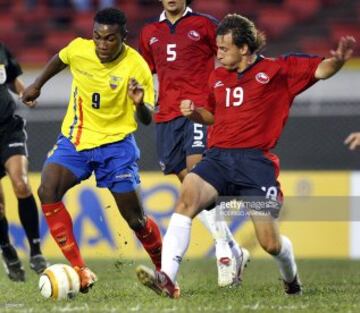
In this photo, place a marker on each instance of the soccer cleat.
(226, 271)
(87, 278)
(38, 263)
(158, 281)
(12, 264)
(293, 288)
(241, 263)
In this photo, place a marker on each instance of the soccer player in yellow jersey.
(111, 84)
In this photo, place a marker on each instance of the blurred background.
(314, 160)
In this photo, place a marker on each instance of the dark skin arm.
(54, 66)
(143, 114)
(136, 93)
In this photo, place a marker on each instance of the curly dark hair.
(243, 32)
(112, 16)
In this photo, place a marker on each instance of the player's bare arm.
(17, 86)
(136, 93)
(198, 115)
(353, 141)
(340, 56)
(32, 92)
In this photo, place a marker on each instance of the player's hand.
(187, 107)
(345, 49)
(353, 141)
(31, 93)
(136, 91)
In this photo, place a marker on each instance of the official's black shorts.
(12, 140)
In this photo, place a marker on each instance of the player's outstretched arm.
(343, 53)
(353, 141)
(197, 115)
(32, 92)
(136, 93)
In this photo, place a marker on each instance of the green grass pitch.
(329, 286)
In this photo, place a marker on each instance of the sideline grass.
(329, 286)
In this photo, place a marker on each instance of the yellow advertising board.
(101, 231)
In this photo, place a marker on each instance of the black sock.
(29, 218)
(4, 232)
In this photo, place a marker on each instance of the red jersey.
(251, 108)
(182, 55)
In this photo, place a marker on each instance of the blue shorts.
(240, 172)
(177, 139)
(114, 165)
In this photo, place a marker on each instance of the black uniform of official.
(12, 127)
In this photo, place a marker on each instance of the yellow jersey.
(100, 110)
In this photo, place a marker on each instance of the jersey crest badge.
(262, 78)
(2, 74)
(114, 81)
(194, 35)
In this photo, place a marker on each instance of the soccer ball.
(59, 281)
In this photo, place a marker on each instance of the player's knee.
(136, 223)
(21, 188)
(186, 209)
(271, 246)
(188, 203)
(48, 194)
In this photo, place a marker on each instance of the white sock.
(214, 222)
(175, 244)
(286, 260)
(234, 246)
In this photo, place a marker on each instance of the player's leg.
(64, 168)
(263, 170)
(199, 190)
(215, 224)
(181, 144)
(11, 261)
(144, 227)
(196, 195)
(117, 170)
(280, 247)
(227, 250)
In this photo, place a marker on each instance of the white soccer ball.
(59, 281)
